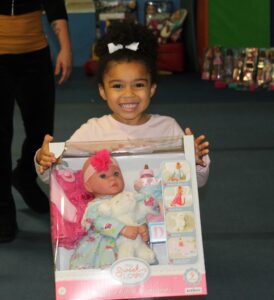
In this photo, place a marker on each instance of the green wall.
(239, 23)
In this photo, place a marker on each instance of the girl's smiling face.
(127, 89)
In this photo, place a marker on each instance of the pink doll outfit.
(66, 216)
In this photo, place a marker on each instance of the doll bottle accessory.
(146, 172)
(115, 47)
(146, 178)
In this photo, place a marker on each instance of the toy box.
(165, 172)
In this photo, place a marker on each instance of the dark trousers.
(27, 79)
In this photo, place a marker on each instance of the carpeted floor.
(236, 205)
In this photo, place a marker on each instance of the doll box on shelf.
(174, 227)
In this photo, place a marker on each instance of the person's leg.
(35, 96)
(8, 225)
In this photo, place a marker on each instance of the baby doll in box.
(114, 220)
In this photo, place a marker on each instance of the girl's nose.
(128, 90)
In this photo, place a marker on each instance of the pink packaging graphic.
(91, 257)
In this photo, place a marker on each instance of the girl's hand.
(44, 157)
(201, 147)
(143, 231)
(130, 232)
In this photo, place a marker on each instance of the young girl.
(127, 79)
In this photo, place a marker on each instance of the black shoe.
(8, 231)
(29, 189)
(8, 225)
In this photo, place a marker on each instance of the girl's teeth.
(128, 106)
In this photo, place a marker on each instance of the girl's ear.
(102, 92)
(153, 89)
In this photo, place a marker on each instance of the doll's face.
(105, 183)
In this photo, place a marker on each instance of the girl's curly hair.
(126, 32)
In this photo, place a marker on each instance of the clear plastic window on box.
(160, 173)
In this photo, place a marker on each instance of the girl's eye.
(116, 174)
(117, 86)
(103, 176)
(139, 85)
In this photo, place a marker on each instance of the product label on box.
(130, 271)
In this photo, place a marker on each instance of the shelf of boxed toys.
(239, 68)
(82, 15)
(162, 17)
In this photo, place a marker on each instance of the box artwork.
(125, 221)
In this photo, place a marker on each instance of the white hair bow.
(113, 48)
